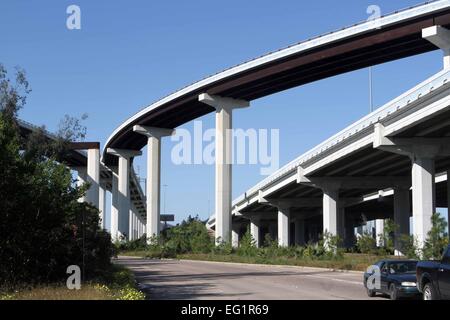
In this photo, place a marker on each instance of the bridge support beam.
(440, 37)
(333, 207)
(379, 232)
(330, 211)
(350, 237)
(300, 231)
(93, 176)
(81, 179)
(422, 152)
(123, 196)
(115, 207)
(402, 210)
(235, 236)
(102, 205)
(153, 191)
(424, 204)
(284, 217)
(255, 224)
(224, 109)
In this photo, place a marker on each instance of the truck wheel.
(393, 293)
(371, 293)
(428, 292)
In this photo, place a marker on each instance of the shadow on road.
(160, 282)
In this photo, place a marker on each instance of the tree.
(437, 238)
(388, 235)
(43, 228)
(247, 245)
(366, 243)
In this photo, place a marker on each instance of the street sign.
(167, 217)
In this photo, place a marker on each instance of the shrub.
(408, 246)
(389, 230)
(247, 246)
(330, 246)
(190, 236)
(43, 228)
(437, 238)
(366, 243)
(223, 248)
(138, 244)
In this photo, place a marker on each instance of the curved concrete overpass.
(394, 36)
(391, 37)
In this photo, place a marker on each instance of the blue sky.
(129, 54)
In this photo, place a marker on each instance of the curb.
(273, 265)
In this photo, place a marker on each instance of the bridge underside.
(378, 46)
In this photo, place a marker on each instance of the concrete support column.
(283, 226)
(115, 208)
(423, 198)
(102, 205)
(440, 37)
(341, 224)
(235, 237)
(330, 211)
(379, 232)
(402, 210)
(224, 108)
(93, 176)
(255, 232)
(350, 238)
(131, 224)
(81, 179)
(124, 195)
(124, 188)
(138, 225)
(153, 191)
(273, 231)
(223, 173)
(300, 231)
(153, 186)
(141, 226)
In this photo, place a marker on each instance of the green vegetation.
(191, 236)
(367, 244)
(116, 283)
(437, 238)
(44, 228)
(190, 240)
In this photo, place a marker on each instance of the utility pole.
(164, 198)
(370, 90)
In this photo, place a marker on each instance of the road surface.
(197, 280)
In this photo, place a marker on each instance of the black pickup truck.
(433, 278)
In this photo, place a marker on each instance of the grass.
(116, 284)
(350, 261)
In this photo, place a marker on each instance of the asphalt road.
(196, 280)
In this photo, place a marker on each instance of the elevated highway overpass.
(338, 170)
(373, 169)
